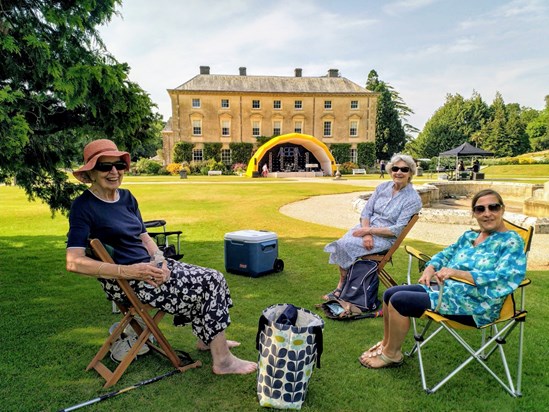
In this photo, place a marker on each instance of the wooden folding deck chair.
(493, 336)
(130, 310)
(384, 258)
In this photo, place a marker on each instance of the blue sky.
(424, 48)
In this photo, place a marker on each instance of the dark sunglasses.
(402, 169)
(493, 207)
(107, 166)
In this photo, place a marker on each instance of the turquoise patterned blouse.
(498, 265)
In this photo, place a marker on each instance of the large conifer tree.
(390, 133)
(60, 88)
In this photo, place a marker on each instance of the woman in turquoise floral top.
(492, 259)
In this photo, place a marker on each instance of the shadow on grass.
(53, 322)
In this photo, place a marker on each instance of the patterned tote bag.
(289, 340)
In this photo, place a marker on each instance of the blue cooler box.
(252, 252)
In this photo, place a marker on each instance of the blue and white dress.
(383, 209)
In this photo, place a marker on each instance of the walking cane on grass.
(118, 392)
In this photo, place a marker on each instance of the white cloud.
(424, 48)
(405, 6)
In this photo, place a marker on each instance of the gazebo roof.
(465, 150)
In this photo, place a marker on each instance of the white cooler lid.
(252, 236)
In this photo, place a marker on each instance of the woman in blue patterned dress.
(384, 216)
(492, 258)
(195, 295)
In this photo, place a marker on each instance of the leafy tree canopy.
(391, 113)
(59, 89)
(538, 128)
(504, 129)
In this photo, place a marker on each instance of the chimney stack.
(333, 73)
(204, 69)
(298, 72)
(242, 71)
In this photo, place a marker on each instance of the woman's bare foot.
(373, 351)
(233, 365)
(381, 360)
(203, 347)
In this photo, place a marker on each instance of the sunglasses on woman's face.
(107, 166)
(493, 207)
(404, 169)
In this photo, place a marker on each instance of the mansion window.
(226, 156)
(327, 105)
(354, 104)
(224, 103)
(197, 127)
(196, 103)
(198, 155)
(354, 156)
(225, 128)
(327, 128)
(277, 105)
(353, 128)
(256, 128)
(298, 126)
(298, 104)
(277, 128)
(256, 104)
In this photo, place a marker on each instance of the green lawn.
(53, 321)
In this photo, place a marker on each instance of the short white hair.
(409, 160)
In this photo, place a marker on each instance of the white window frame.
(354, 156)
(354, 104)
(256, 104)
(300, 128)
(277, 104)
(298, 104)
(256, 128)
(353, 128)
(277, 128)
(226, 156)
(327, 105)
(225, 128)
(196, 103)
(197, 127)
(327, 128)
(198, 155)
(225, 104)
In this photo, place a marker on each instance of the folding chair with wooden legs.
(130, 311)
(493, 336)
(383, 258)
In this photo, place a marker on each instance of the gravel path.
(320, 210)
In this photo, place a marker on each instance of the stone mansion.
(215, 108)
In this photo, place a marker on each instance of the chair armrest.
(154, 234)
(525, 282)
(468, 282)
(174, 232)
(417, 254)
(154, 223)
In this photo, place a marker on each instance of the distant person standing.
(265, 170)
(382, 169)
(461, 166)
(476, 166)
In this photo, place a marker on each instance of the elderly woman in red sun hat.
(196, 295)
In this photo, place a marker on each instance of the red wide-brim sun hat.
(93, 151)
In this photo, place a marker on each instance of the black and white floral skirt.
(194, 295)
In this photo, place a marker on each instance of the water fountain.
(528, 203)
